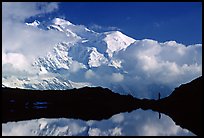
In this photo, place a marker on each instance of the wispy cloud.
(156, 25)
(97, 27)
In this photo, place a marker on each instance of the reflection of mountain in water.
(183, 105)
(85, 103)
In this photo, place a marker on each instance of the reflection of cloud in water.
(118, 118)
(138, 122)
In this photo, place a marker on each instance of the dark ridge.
(184, 105)
(85, 103)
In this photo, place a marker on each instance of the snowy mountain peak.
(35, 23)
(113, 33)
(59, 21)
(117, 41)
(118, 34)
(96, 59)
(111, 59)
(83, 49)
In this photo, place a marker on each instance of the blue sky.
(161, 21)
(161, 65)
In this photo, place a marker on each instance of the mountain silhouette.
(184, 105)
(84, 103)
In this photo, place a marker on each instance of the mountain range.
(89, 58)
(184, 105)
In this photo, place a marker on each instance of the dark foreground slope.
(85, 103)
(184, 105)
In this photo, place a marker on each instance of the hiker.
(159, 96)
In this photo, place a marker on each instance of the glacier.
(111, 59)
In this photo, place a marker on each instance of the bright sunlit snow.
(109, 59)
(51, 46)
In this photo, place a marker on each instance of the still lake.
(136, 123)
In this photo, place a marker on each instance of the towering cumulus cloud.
(22, 43)
(162, 64)
(60, 55)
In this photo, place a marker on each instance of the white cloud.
(144, 64)
(21, 44)
(15, 59)
(19, 11)
(136, 123)
(49, 7)
(29, 41)
(89, 74)
(148, 68)
(94, 132)
(75, 67)
(118, 118)
(113, 28)
(117, 77)
(165, 64)
(96, 27)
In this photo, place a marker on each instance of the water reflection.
(135, 123)
(103, 106)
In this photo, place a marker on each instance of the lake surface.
(92, 111)
(136, 123)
